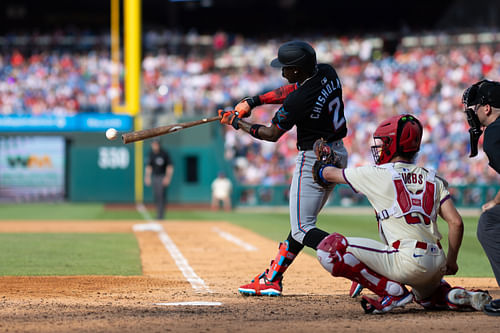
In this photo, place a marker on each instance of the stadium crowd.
(195, 75)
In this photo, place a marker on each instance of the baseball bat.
(161, 130)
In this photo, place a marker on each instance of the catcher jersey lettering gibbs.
(418, 221)
(316, 108)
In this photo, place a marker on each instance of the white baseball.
(111, 134)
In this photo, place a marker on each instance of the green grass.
(273, 225)
(69, 254)
(64, 211)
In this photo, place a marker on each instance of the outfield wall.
(89, 168)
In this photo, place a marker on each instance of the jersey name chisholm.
(329, 88)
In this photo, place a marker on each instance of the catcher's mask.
(295, 53)
(480, 93)
(396, 135)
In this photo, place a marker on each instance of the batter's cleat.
(355, 290)
(386, 303)
(261, 286)
(461, 298)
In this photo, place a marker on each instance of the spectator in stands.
(422, 80)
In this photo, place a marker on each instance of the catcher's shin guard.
(438, 300)
(334, 258)
(279, 265)
(455, 298)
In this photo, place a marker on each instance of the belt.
(333, 143)
(418, 245)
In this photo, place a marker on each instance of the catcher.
(407, 200)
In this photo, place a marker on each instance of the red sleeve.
(277, 96)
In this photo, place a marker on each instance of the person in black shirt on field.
(482, 107)
(159, 170)
(313, 103)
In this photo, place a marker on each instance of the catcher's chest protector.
(407, 202)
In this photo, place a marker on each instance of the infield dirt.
(313, 300)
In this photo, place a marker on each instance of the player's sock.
(314, 237)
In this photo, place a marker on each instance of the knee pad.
(334, 243)
(345, 264)
(331, 250)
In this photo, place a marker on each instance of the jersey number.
(334, 107)
(415, 218)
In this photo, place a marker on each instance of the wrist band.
(253, 101)
(234, 123)
(320, 173)
(254, 131)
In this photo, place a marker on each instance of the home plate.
(195, 303)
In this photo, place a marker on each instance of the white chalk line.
(195, 303)
(196, 282)
(233, 239)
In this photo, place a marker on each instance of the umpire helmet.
(295, 53)
(399, 135)
(482, 93)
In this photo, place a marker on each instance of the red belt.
(418, 245)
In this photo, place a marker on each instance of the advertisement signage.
(84, 122)
(32, 168)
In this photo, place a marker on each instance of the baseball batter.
(313, 103)
(407, 200)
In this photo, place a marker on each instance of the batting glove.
(229, 118)
(245, 106)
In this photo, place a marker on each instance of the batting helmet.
(399, 135)
(295, 53)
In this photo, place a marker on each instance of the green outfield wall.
(98, 170)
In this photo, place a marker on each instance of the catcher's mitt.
(326, 157)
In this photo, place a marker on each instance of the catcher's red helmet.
(398, 134)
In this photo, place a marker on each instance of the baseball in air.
(111, 134)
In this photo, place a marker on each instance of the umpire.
(159, 172)
(482, 107)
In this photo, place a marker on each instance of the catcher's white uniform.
(407, 199)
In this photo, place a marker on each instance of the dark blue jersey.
(316, 108)
(491, 144)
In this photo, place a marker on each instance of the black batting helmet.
(295, 53)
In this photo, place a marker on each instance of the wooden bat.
(157, 131)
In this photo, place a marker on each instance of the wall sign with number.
(113, 158)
